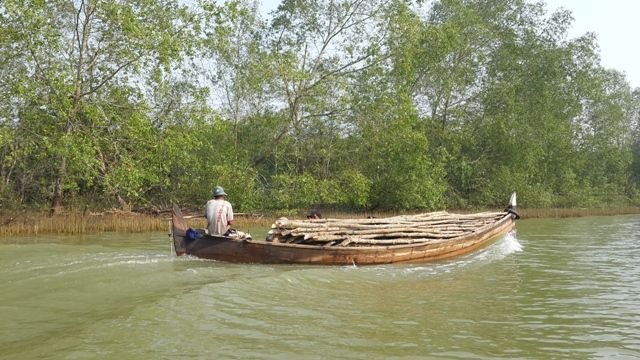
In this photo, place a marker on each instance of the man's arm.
(230, 215)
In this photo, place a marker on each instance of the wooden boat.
(415, 238)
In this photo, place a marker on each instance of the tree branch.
(110, 76)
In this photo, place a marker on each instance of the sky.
(616, 24)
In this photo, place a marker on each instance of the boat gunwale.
(480, 231)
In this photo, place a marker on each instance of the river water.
(558, 289)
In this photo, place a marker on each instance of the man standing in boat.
(219, 213)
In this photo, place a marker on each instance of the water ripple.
(559, 289)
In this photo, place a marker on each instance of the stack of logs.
(406, 229)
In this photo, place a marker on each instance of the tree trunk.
(57, 201)
(83, 31)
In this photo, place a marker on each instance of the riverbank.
(34, 223)
(40, 222)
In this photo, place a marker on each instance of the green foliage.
(349, 190)
(291, 192)
(355, 188)
(403, 175)
(344, 104)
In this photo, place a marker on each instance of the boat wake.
(509, 244)
(504, 247)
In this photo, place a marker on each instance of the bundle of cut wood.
(404, 229)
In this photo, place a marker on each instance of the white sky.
(616, 24)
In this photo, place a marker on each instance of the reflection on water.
(557, 289)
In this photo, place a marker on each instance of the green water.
(558, 289)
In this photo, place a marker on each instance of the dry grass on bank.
(42, 223)
(33, 223)
(575, 212)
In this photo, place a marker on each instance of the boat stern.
(178, 231)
